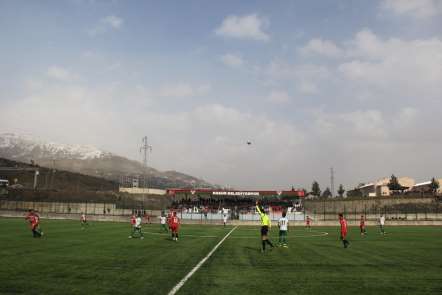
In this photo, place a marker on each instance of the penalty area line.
(183, 281)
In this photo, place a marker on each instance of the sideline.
(183, 281)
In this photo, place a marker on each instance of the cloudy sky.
(356, 85)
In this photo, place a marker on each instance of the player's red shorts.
(174, 228)
(343, 234)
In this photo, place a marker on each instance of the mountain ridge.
(89, 160)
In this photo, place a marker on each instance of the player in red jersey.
(28, 215)
(308, 222)
(146, 218)
(174, 226)
(34, 222)
(362, 226)
(133, 221)
(35, 225)
(343, 223)
(169, 219)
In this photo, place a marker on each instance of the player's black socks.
(36, 233)
(270, 243)
(263, 245)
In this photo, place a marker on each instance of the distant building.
(425, 187)
(4, 183)
(380, 188)
(133, 181)
(146, 191)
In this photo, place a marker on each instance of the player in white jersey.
(137, 228)
(225, 212)
(163, 223)
(381, 224)
(83, 221)
(283, 225)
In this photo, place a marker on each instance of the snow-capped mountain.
(88, 160)
(25, 148)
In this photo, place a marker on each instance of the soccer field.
(102, 260)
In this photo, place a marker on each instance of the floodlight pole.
(36, 173)
(332, 182)
(145, 147)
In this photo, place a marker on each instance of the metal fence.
(410, 212)
(88, 208)
(251, 216)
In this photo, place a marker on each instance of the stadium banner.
(234, 193)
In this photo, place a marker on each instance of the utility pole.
(332, 182)
(52, 174)
(36, 173)
(145, 147)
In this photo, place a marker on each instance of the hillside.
(52, 179)
(91, 161)
(65, 186)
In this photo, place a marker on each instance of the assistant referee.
(265, 226)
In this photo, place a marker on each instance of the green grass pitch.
(102, 260)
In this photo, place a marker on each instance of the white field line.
(181, 235)
(183, 281)
(319, 234)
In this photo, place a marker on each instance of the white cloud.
(306, 77)
(372, 69)
(400, 67)
(279, 97)
(244, 27)
(321, 47)
(369, 123)
(113, 21)
(378, 98)
(354, 126)
(418, 9)
(307, 87)
(114, 66)
(59, 73)
(406, 117)
(212, 136)
(399, 81)
(184, 90)
(368, 63)
(110, 22)
(232, 60)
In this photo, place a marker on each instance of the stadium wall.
(154, 214)
(122, 200)
(70, 209)
(371, 205)
(323, 212)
